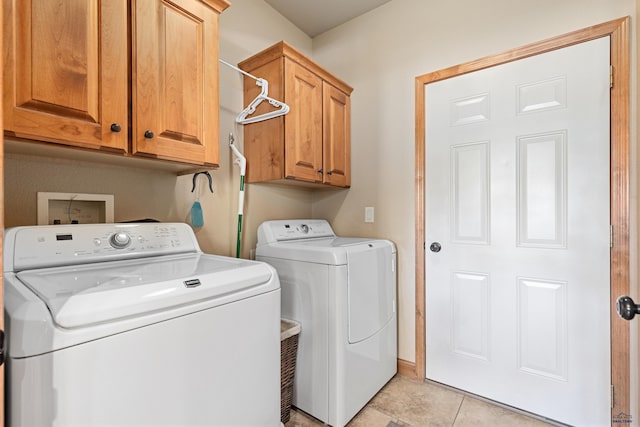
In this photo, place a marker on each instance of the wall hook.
(195, 175)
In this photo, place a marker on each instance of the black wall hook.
(195, 175)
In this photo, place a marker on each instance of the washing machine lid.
(102, 292)
(330, 251)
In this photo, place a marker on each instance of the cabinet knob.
(148, 134)
(320, 170)
(115, 127)
(330, 173)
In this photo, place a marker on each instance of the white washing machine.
(343, 292)
(132, 325)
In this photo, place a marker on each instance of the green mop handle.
(241, 161)
(240, 210)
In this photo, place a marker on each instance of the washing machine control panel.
(46, 246)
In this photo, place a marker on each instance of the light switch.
(369, 214)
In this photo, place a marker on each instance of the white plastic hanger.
(263, 96)
(243, 118)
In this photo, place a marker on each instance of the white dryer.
(132, 325)
(343, 292)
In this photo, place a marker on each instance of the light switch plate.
(369, 214)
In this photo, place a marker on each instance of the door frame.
(618, 31)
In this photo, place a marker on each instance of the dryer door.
(371, 288)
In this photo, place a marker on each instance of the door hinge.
(610, 236)
(3, 348)
(613, 400)
(610, 76)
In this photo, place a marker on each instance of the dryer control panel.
(293, 229)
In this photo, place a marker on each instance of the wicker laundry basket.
(289, 331)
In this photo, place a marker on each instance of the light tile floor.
(406, 402)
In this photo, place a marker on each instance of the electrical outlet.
(369, 214)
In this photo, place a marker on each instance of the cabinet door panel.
(303, 123)
(64, 67)
(175, 84)
(337, 137)
(60, 59)
(264, 141)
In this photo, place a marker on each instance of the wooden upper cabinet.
(175, 79)
(65, 71)
(310, 144)
(67, 75)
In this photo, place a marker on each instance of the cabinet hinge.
(610, 236)
(610, 76)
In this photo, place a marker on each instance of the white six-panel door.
(517, 198)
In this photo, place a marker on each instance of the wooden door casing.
(618, 30)
(2, 410)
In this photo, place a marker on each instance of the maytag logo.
(192, 283)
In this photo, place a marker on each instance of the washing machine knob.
(120, 240)
(304, 228)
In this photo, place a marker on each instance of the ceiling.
(315, 17)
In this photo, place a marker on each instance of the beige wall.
(137, 194)
(379, 54)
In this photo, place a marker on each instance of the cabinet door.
(336, 137)
(65, 71)
(175, 80)
(303, 124)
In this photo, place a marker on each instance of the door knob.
(435, 247)
(626, 308)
